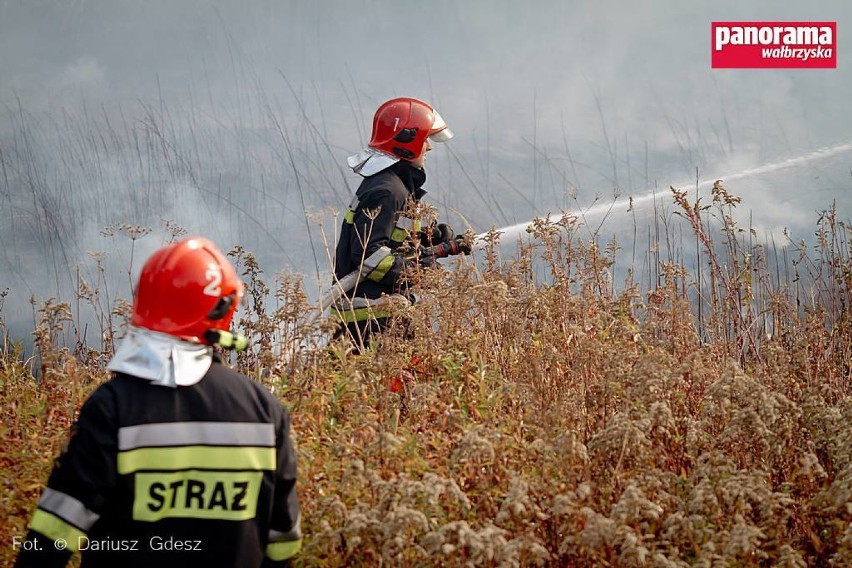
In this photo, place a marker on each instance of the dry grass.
(702, 422)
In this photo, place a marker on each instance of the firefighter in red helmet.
(177, 460)
(377, 228)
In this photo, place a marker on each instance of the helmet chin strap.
(226, 339)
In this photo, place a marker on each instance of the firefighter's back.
(195, 469)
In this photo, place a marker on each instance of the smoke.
(231, 119)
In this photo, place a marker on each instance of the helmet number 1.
(396, 124)
(214, 279)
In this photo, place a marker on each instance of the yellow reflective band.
(358, 314)
(416, 228)
(202, 457)
(192, 494)
(55, 528)
(349, 216)
(382, 269)
(283, 550)
(399, 235)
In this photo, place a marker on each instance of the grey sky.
(489, 65)
(625, 87)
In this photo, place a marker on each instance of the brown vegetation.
(700, 421)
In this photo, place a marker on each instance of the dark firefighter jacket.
(200, 475)
(362, 238)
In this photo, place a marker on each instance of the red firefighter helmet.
(186, 289)
(401, 126)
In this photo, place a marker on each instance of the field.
(701, 418)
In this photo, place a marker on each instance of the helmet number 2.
(214, 279)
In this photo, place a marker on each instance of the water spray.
(817, 155)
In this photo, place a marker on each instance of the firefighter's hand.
(443, 233)
(436, 233)
(428, 258)
(464, 245)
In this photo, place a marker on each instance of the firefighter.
(177, 460)
(379, 233)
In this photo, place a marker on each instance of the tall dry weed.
(556, 417)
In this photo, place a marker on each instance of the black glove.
(436, 233)
(445, 233)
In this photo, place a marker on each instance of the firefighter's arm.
(77, 490)
(389, 227)
(285, 535)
